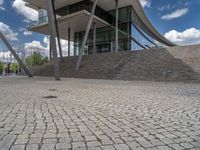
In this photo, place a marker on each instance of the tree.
(14, 68)
(35, 59)
(1, 67)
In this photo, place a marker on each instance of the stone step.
(154, 64)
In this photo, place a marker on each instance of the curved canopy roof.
(110, 5)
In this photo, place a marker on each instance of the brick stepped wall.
(190, 55)
(155, 64)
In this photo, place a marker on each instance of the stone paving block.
(93, 143)
(80, 148)
(196, 144)
(176, 146)
(90, 138)
(186, 145)
(152, 148)
(21, 141)
(35, 140)
(32, 147)
(94, 148)
(48, 147)
(121, 147)
(78, 144)
(63, 146)
(17, 147)
(65, 140)
(106, 142)
(157, 142)
(6, 142)
(108, 147)
(98, 114)
(49, 141)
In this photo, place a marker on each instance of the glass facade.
(105, 36)
(42, 16)
(84, 5)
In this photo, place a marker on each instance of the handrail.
(141, 32)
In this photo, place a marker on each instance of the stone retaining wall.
(165, 64)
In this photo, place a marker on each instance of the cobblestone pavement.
(97, 114)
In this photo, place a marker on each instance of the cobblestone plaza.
(81, 114)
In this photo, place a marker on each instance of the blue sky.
(178, 20)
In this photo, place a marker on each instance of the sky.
(177, 20)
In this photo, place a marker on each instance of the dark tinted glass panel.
(105, 37)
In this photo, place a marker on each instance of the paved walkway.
(98, 114)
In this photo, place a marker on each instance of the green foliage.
(35, 60)
(14, 68)
(1, 67)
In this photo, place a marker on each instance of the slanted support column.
(15, 55)
(86, 35)
(94, 38)
(50, 49)
(52, 29)
(74, 51)
(116, 25)
(57, 31)
(69, 45)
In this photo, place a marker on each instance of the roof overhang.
(105, 4)
(110, 5)
(76, 22)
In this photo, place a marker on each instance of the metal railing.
(41, 20)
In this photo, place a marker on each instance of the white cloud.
(22, 29)
(27, 33)
(38, 46)
(178, 4)
(145, 3)
(1, 5)
(34, 45)
(64, 45)
(5, 55)
(27, 12)
(8, 32)
(187, 37)
(46, 41)
(176, 14)
(166, 7)
(26, 21)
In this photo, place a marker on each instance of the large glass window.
(105, 37)
(42, 16)
(83, 5)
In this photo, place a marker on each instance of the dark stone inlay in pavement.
(52, 89)
(50, 97)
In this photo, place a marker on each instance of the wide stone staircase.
(153, 64)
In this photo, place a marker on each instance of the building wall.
(106, 35)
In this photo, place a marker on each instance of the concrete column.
(116, 25)
(69, 45)
(52, 29)
(75, 43)
(50, 49)
(94, 38)
(74, 51)
(86, 35)
(57, 31)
